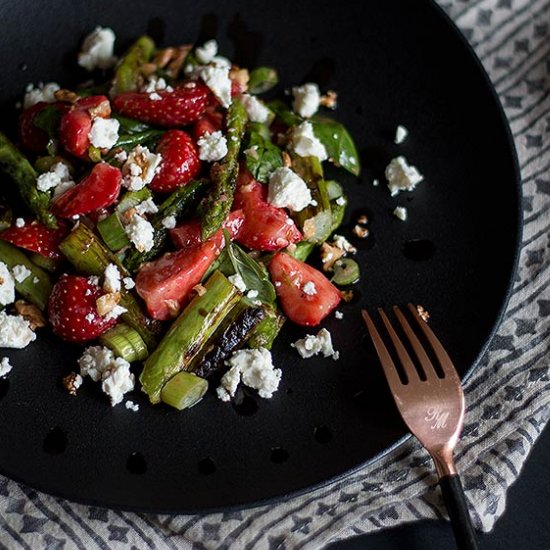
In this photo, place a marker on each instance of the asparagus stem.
(174, 205)
(264, 334)
(36, 288)
(216, 206)
(184, 390)
(128, 71)
(188, 334)
(125, 342)
(49, 264)
(86, 252)
(338, 209)
(112, 232)
(18, 168)
(301, 250)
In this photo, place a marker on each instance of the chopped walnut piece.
(164, 56)
(200, 290)
(287, 160)
(67, 96)
(72, 382)
(31, 313)
(148, 69)
(361, 232)
(329, 100)
(171, 59)
(241, 76)
(329, 255)
(363, 220)
(347, 295)
(106, 303)
(423, 313)
(127, 215)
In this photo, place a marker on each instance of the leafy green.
(262, 156)
(262, 79)
(130, 126)
(48, 120)
(284, 113)
(337, 142)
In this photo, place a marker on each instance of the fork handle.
(455, 501)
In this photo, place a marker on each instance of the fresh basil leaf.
(262, 156)
(48, 120)
(130, 126)
(337, 142)
(281, 109)
(262, 79)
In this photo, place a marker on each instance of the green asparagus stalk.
(189, 332)
(49, 264)
(184, 390)
(262, 79)
(112, 232)
(86, 252)
(174, 205)
(127, 74)
(338, 209)
(18, 168)
(216, 206)
(264, 334)
(125, 342)
(301, 250)
(36, 288)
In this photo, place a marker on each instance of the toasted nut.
(423, 313)
(106, 303)
(31, 313)
(309, 228)
(347, 295)
(363, 220)
(330, 255)
(164, 56)
(66, 96)
(127, 215)
(361, 232)
(287, 160)
(200, 290)
(241, 76)
(329, 100)
(148, 69)
(72, 382)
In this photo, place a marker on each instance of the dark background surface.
(524, 525)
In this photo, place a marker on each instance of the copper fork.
(432, 406)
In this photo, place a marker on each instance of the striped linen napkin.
(512, 39)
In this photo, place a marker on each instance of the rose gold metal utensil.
(431, 403)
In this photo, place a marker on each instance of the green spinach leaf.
(48, 121)
(262, 156)
(262, 79)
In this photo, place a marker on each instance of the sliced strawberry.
(210, 122)
(182, 106)
(72, 310)
(180, 161)
(189, 233)
(305, 294)
(167, 283)
(36, 237)
(95, 105)
(265, 226)
(99, 189)
(32, 138)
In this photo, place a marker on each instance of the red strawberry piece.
(31, 137)
(265, 227)
(189, 233)
(166, 284)
(180, 161)
(95, 105)
(180, 107)
(210, 122)
(72, 310)
(99, 189)
(36, 237)
(305, 294)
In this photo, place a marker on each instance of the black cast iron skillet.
(392, 62)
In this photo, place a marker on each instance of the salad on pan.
(161, 216)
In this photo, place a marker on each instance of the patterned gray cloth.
(512, 38)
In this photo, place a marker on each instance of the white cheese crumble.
(217, 79)
(401, 213)
(212, 146)
(341, 201)
(156, 84)
(90, 317)
(111, 279)
(15, 331)
(19, 222)
(140, 168)
(252, 294)
(401, 134)
(147, 206)
(43, 92)
(100, 363)
(104, 132)
(97, 50)
(288, 190)
(254, 368)
(401, 176)
(21, 273)
(57, 178)
(237, 281)
(121, 157)
(5, 367)
(115, 313)
(207, 52)
(339, 315)
(7, 285)
(130, 405)
(141, 233)
(375, 183)
(128, 283)
(307, 99)
(169, 222)
(35, 280)
(255, 109)
(309, 288)
(314, 344)
(305, 143)
(339, 241)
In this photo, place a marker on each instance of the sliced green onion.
(183, 390)
(125, 342)
(112, 232)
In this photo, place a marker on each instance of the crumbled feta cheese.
(256, 110)
(217, 79)
(115, 313)
(154, 96)
(95, 361)
(147, 207)
(288, 190)
(93, 280)
(15, 331)
(401, 176)
(169, 222)
(130, 405)
(305, 143)
(5, 367)
(141, 233)
(117, 380)
(104, 132)
(341, 201)
(90, 317)
(35, 280)
(252, 294)
(7, 285)
(375, 183)
(339, 315)
(306, 99)
(237, 280)
(43, 92)
(206, 53)
(400, 212)
(58, 176)
(313, 345)
(121, 157)
(309, 288)
(111, 279)
(128, 283)
(140, 168)
(156, 84)
(342, 243)
(20, 273)
(254, 368)
(212, 146)
(97, 50)
(401, 134)
(19, 222)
